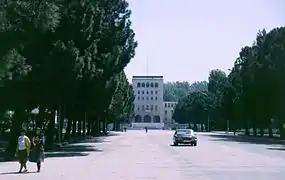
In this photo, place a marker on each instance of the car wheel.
(175, 143)
(195, 143)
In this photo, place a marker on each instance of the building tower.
(148, 101)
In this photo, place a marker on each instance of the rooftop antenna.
(147, 65)
(146, 101)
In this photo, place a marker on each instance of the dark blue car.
(184, 136)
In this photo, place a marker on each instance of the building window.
(147, 98)
(138, 84)
(138, 107)
(165, 112)
(155, 92)
(165, 119)
(151, 107)
(172, 111)
(151, 98)
(172, 105)
(151, 92)
(143, 84)
(155, 107)
(151, 85)
(165, 105)
(147, 84)
(142, 98)
(142, 92)
(155, 98)
(147, 107)
(138, 98)
(139, 92)
(168, 105)
(143, 107)
(156, 85)
(146, 92)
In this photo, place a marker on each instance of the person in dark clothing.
(37, 154)
(146, 129)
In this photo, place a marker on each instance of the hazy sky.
(185, 39)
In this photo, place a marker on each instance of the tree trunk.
(96, 128)
(79, 129)
(84, 123)
(15, 132)
(282, 130)
(254, 131)
(195, 127)
(270, 131)
(117, 125)
(104, 128)
(68, 128)
(61, 117)
(89, 125)
(74, 127)
(51, 130)
(261, 131)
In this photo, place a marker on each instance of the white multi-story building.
(148, 102)
(169, 107)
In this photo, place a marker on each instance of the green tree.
(81, 48)
(173, 91)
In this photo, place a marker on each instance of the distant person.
(125, 129)
(23, 150)
(146, 129)
(43, 138)
(37, 155)
(235, 131)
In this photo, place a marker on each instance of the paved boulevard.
(135, 155)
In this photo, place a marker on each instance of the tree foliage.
(173, 91)
(66, 57)
(252, 94)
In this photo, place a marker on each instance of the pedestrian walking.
(146, 129)
(23, 150)
(37, 154)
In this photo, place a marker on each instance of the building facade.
(148, 101)
(169, 107)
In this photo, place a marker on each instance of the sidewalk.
(253, 139)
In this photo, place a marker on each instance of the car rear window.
(185, 131)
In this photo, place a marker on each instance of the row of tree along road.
(250, 97)
(65, 58)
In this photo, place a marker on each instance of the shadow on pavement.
(79, 146)
(277, 148)
(3, 145)
(64, 154)
(9, 173)
(182, 145)
(75, 149)
(91, 139)
(246, 139)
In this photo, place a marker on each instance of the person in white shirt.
(23, 150)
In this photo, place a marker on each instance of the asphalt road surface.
(135, 155)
